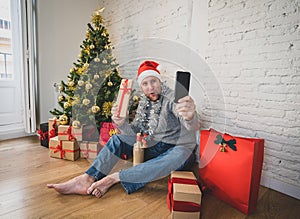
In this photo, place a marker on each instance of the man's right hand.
(114, 115)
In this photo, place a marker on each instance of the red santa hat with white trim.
(146, 69)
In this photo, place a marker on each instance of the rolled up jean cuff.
(93, 172)
(130, 187)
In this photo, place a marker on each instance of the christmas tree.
(93, 82)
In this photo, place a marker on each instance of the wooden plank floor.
(26, 168)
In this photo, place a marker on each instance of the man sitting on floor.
(171, 138)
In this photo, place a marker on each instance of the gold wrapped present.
(67, 150)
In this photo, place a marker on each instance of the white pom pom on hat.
(146, 69)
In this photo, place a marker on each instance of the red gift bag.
(230, 168)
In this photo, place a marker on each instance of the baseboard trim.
(283, 187)
(13, 134)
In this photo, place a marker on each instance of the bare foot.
(77, 185)
(100, 187)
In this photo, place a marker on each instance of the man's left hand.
(186, 107)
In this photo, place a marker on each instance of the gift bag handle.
(210, 152)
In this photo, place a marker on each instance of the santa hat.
(146, 69)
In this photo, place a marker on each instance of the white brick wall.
(253, 52)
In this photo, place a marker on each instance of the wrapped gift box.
(43, 134)
(89, 149)
(65, 133)
(77, 133)
(124, 97)
(68, 150)
(184, 195)
(52, 127)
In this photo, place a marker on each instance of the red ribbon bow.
(86, 152)
(52, 132)
(69, 132)
(125, 90)
(58, 148)
(182, 206)
(43, 135)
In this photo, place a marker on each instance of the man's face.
(151, 87)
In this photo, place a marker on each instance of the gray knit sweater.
(171, 128)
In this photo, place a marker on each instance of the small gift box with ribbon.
(77, 133)
(65, 133)
(124, 97)
(52, 127)
(67, 150)
(43, 134)
(184, 195)
(89, 150)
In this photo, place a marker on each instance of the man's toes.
(50, 185)
(91, 188)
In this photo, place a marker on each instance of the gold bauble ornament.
(97, 59)
(86, 102)
(76, 124)
(80, 83)
(71, 83)
(96, 77)
(61, 98)
(92, 46)
(95, 109)
(104, 61)
(88, 86)
(63, 119)
(110, 84)
(61, 88)
(135, 98)
(67, 105)
(86, 65)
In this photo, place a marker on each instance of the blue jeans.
(159, 161)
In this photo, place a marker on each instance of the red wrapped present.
(107, 129)
(89, 149)
(124, 97)
(184, 195)
(65, 133)
(230, 168)
(67, 150)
